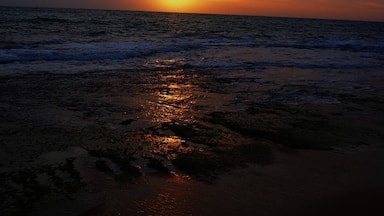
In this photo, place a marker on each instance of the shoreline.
(98, 141)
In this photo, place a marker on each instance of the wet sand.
(308, 182)
(174, 142)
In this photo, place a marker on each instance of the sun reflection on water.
(169, 146)
(173, 99)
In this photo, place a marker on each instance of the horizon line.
(193, 13)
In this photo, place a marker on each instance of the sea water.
(40, 40)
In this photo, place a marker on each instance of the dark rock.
(127, 122)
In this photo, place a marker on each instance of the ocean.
(35, 40)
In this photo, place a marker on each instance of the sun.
(177, 5)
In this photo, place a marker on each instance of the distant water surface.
(71, 41)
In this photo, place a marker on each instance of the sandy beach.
(184, 142)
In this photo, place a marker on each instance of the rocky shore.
(266, 142)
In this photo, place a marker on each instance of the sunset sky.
(336, 9)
